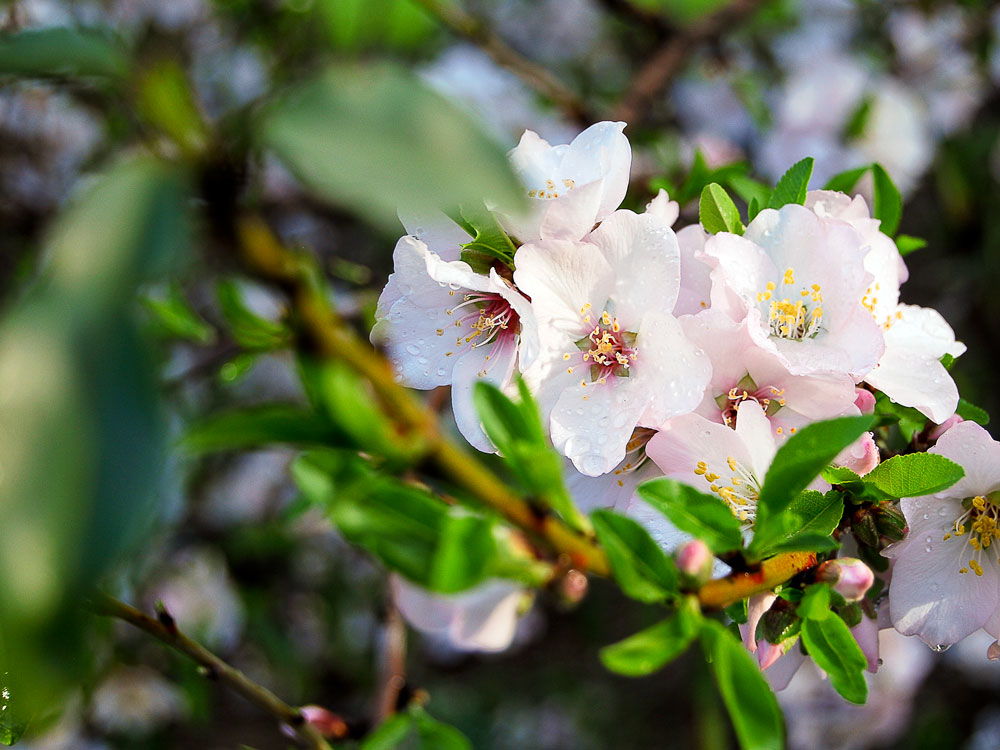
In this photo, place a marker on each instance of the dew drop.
(942, 511)
(928, 539)
(926, 516)
(928, 548)
(940, 648)
(413, 349)
(441, 372)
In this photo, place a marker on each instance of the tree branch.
(165, 629)
(738, 586)
(670, 58)
(537, 77)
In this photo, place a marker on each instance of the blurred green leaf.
(436, 735)
(12, 723)
(749, 190)
(167, 101)
(752, 706)
(250, 330)
(704, 516)
(515, 428)
(907, 244)
(888, 205)
(361, 24)
(267, 424)
(175, 317)
(844, 182)
(915, 474)
(390, 733)
(375, 138)
(717, 212)
(640, 567)
(58, 51)
(651, 649)
(797, 463)
(793, 185)
(833, 648)
(815, 603)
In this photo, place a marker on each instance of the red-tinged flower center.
(770, 398)
(483, 318)
(607, 349)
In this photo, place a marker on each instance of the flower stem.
(165, 629)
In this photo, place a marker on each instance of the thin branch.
(165, 629)
(629, 12)
(738, 586)
(392, 662)
(541, 80)
(266, 257)
(670, 58)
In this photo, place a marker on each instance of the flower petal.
(492, 364)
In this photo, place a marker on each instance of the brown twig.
(733, 588)
(392, 662)
(541, 80)
(165, 629)
(669, 59)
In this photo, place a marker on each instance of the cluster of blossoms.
(654, 352)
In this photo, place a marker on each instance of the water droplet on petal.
(413, 349)
(940, 648)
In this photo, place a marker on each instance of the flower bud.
(865, 401)
(849, 577)
(326, 722)
(694, 562)
(942, 428)
(573, 587)
(993, 652)
(890, 522)
(864, 528)
(769, 653)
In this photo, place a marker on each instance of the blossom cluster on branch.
(695, 354)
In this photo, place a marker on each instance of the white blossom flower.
(742, 371)
(442, 323)
(611, 355)
(946, 578)
(570, 187)
(695, 292)
(910, 371)
(484, 618)
(799, 281)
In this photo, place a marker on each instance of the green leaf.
(856, 123)
(846, 181)
(256, 426)
(704, 516)
(811, 519)
(717, 212)
(515, 428)
(489, 237)
(888, 205)
(59, 51)
(793, 185)
(176, 318)
(815, 604)
(907, 244)
(797, 463)
(915, 474)
(436, 735)
(833, 648)
(749, 190)
(752, 706)
(375, 138)
(651, 649)
(972, 412)
(640, 567)
(753, 209)
(390, 733)
(251, 331)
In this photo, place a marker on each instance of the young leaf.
(845, 181)
(749, 190)
(914, 474)
(793, 185)
(174, 317)
(717, 212)
(907, 244)
(972, 412)
(833, 648)
(812, 518)
(815, 604)
(888, 206)
(797, 463)
(390, 733)
(653, 648)
(436, 735)
(489, 239)
(250, 330)
(752, 706)
(753, 209)
(641, 568)
(704, 516)
(516, 430)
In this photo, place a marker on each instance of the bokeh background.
(256, 575)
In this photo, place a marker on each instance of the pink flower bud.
(694, 561)
(861, 456)
(768, 653)
(326, 722)
(850, 578)
(573, 586)
(942, 428)
(993, 652)
(865, 401)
